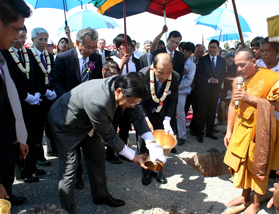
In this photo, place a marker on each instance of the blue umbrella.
(226, 37)
(88, 18)
(223, 19)
(65, 5)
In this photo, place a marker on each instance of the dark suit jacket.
(204, 72)
(95, 105)
(169, 106)
(107, 53)
(136, 61)
(178, 61)
(23, 84)
(143, 60)
(66, 73)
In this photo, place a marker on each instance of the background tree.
(226, 46)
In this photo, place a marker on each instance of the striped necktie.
(84, 74)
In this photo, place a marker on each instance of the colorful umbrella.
(83, 19)
(65, 5)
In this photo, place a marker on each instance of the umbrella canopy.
(225, 37)
(172, 8)
(65, 5)
(84, 19)
(223, 19)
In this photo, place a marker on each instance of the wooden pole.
(238, 24)
(125, 32)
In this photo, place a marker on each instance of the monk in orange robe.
(252, 130)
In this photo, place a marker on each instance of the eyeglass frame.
(133, 104)
(19, 30)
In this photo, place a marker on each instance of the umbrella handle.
(66, 23)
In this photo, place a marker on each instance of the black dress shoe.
(146, 178)
(31, 179)
(109, 200)
(113, 159)
(43, 162)
(40, 172)
(180, 142)
(17, 200)
(200, 139)
(161, 178)
(212, 136)
(216, 130)
(174, 150)
(79, 183)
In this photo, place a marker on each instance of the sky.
(147, 26)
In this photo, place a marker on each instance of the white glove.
(167, 127)
(33, 100)
(156, 153)
(50, 95)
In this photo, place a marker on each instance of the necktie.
(43, 60)
(213, 65)
(21, 131)
(159, 85)
(84, 74)
(20, 58)
(171, 54)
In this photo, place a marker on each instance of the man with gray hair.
(145, 59)
(43, 67)
(74, 67)
(101, 49)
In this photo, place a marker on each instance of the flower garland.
(152, 89)
(46, 72)
(25, 70)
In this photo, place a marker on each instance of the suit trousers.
(181, 117)
(206, 114)
(94, 155)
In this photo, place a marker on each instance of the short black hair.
(132, 84)
(181, 45)
(249, 51)
(63, 38)
(231, 49)
(222, 50)
(161, 42)
(229, 55)
(11, 10)
(119, 40)
(110, 63)
(24, 28)
(256, 42)
(214, 41)
(274, 45)
(238, 44)
(189, 46)
(175, 34)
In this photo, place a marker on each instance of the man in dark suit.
(102, 51)
(173, 41)
(12, 127)
(158, 113)
(68, 72)
(82, 116)
(21, 66)
(44, 65)
(145, 59)
(210, 74)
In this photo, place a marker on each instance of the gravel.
(187, 192)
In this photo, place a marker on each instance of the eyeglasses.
(88, 47)
(19, 30)
(131, 103)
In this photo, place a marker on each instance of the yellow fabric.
(108, 4)
(240, 153)
(273, 28)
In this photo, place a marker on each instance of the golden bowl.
(167, 142)
(5, 206)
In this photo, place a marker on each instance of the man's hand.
(3, 192)
(50, 95)
(167, 127)
(23, 150)
(275, 199)
(125, 59)
(213, 81)
(185, 71)
(67, 31)
(241, 94)
(227, 139)
(156, 153)
(140, 160)
(165, 29)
